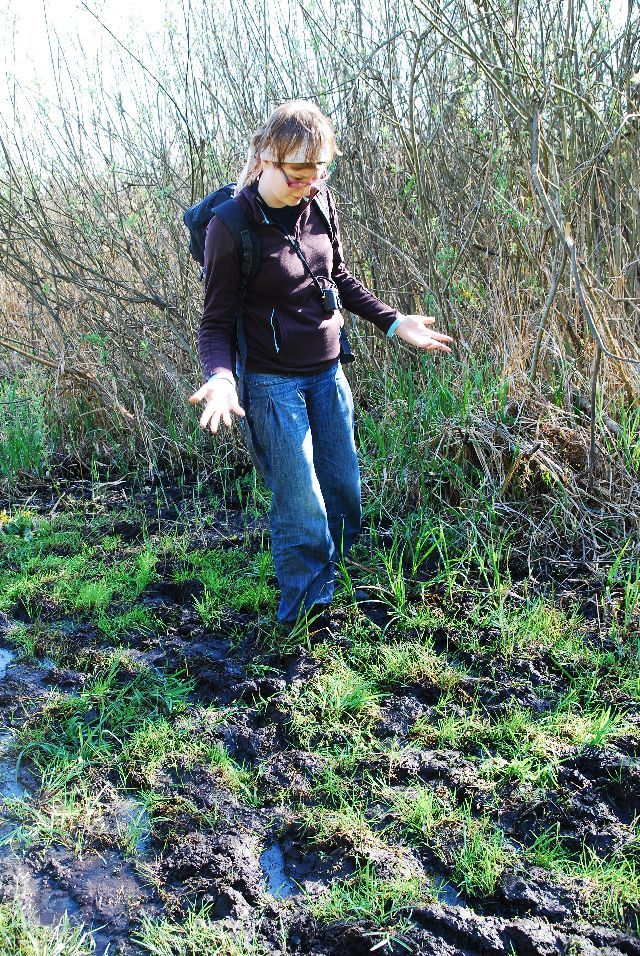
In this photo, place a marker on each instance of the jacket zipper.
(273, 329)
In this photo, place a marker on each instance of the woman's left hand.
(414, 329)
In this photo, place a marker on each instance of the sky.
(32, 32)
(27, 27)
(30, 22)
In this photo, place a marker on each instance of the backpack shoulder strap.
(322, 203)
(245, 238)
(248, 247)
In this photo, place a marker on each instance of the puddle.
(66, 625)
(447, 893)
(9, 786)
(46, 902)
(6, 659)
(278, 883)
(43, 900)
(134, 824)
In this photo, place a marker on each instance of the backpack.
(221, 203)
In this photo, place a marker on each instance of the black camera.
(331, 299)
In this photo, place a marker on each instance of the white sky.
(30, 30)
(33, 31)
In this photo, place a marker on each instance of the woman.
(296, 401)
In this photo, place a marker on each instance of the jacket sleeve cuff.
(400, 317)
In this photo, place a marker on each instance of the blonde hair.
(297, 127)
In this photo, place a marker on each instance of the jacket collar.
(252, 199)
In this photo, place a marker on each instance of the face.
(279, 180)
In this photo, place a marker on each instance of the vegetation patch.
(21, 935)
(367, 896)
(199, 933)
(609, 886)
(422, 746)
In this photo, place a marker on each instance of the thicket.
(490, 175)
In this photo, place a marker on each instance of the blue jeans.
(301, 435)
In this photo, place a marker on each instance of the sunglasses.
(303, 183)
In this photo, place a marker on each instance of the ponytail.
(250, 170)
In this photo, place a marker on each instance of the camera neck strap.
(295, 245)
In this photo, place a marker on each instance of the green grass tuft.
(197, 936)
(366, 896)
(610, 886)
(22, 936)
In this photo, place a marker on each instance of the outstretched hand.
(222, 401)
(414, 329)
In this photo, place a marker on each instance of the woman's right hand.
(222, 400)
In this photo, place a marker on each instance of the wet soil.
(245, 853)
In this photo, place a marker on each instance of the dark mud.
(255, 854)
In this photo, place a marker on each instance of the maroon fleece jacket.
(285, 325)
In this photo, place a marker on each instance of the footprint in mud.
(7, 657)
(447, 893)
(301, 869)
(134, 825)
(272, 861)
(10, 788)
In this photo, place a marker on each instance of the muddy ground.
(260, 852)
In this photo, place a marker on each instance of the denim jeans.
(301, 435)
